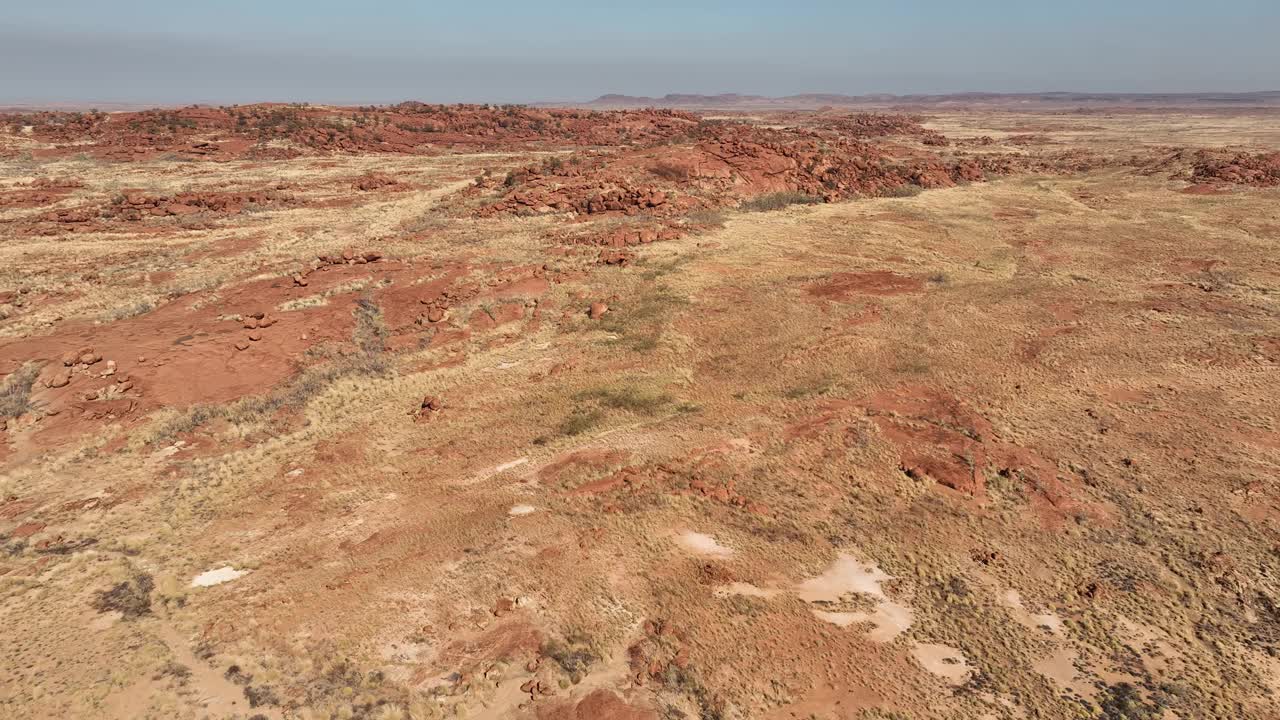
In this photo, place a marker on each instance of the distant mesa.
(694, 101)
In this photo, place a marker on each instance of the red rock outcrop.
(1260, 170)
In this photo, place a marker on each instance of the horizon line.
(68, 103)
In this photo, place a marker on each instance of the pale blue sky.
(505, 50)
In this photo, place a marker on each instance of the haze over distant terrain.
(504, 51)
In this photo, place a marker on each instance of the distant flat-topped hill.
(1021, 100)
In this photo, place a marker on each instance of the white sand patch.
(889, 620)
(171, 450)
(1012, 599)
(508, 465)
(488, 473)
(942, 660)
(521, 510)
(1060, 667)
(846, 576)
(210, 578)
(702, 544)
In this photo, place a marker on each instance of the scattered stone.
(597, 310)
(429, 406)
(255, 336)
(375, 181)
(616, 257)
(242, 345)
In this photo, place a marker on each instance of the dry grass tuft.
(779, 200)
(131, 598)
(371, 332)
(904, 191)
(629, 398)
(15, 393)
(640, 322)
(580, 421)
(575, 654)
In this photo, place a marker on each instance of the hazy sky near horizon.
(512, 51)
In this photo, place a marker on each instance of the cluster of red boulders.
(135, 205)
(74, 362)
(869, 125)
(615, 257)
(662, 647)
(348, 257)
(376, 181)
(437, 305)
(71, 216)
(41, 191)
(750, 161)
(731, 161)
(618, 237)
(408, 128)
(1208, 168)
(1260, 170)
(255, 323)
(544, 195)
(427, 409)
(622, 237)
(625, 200)
(86, 362)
